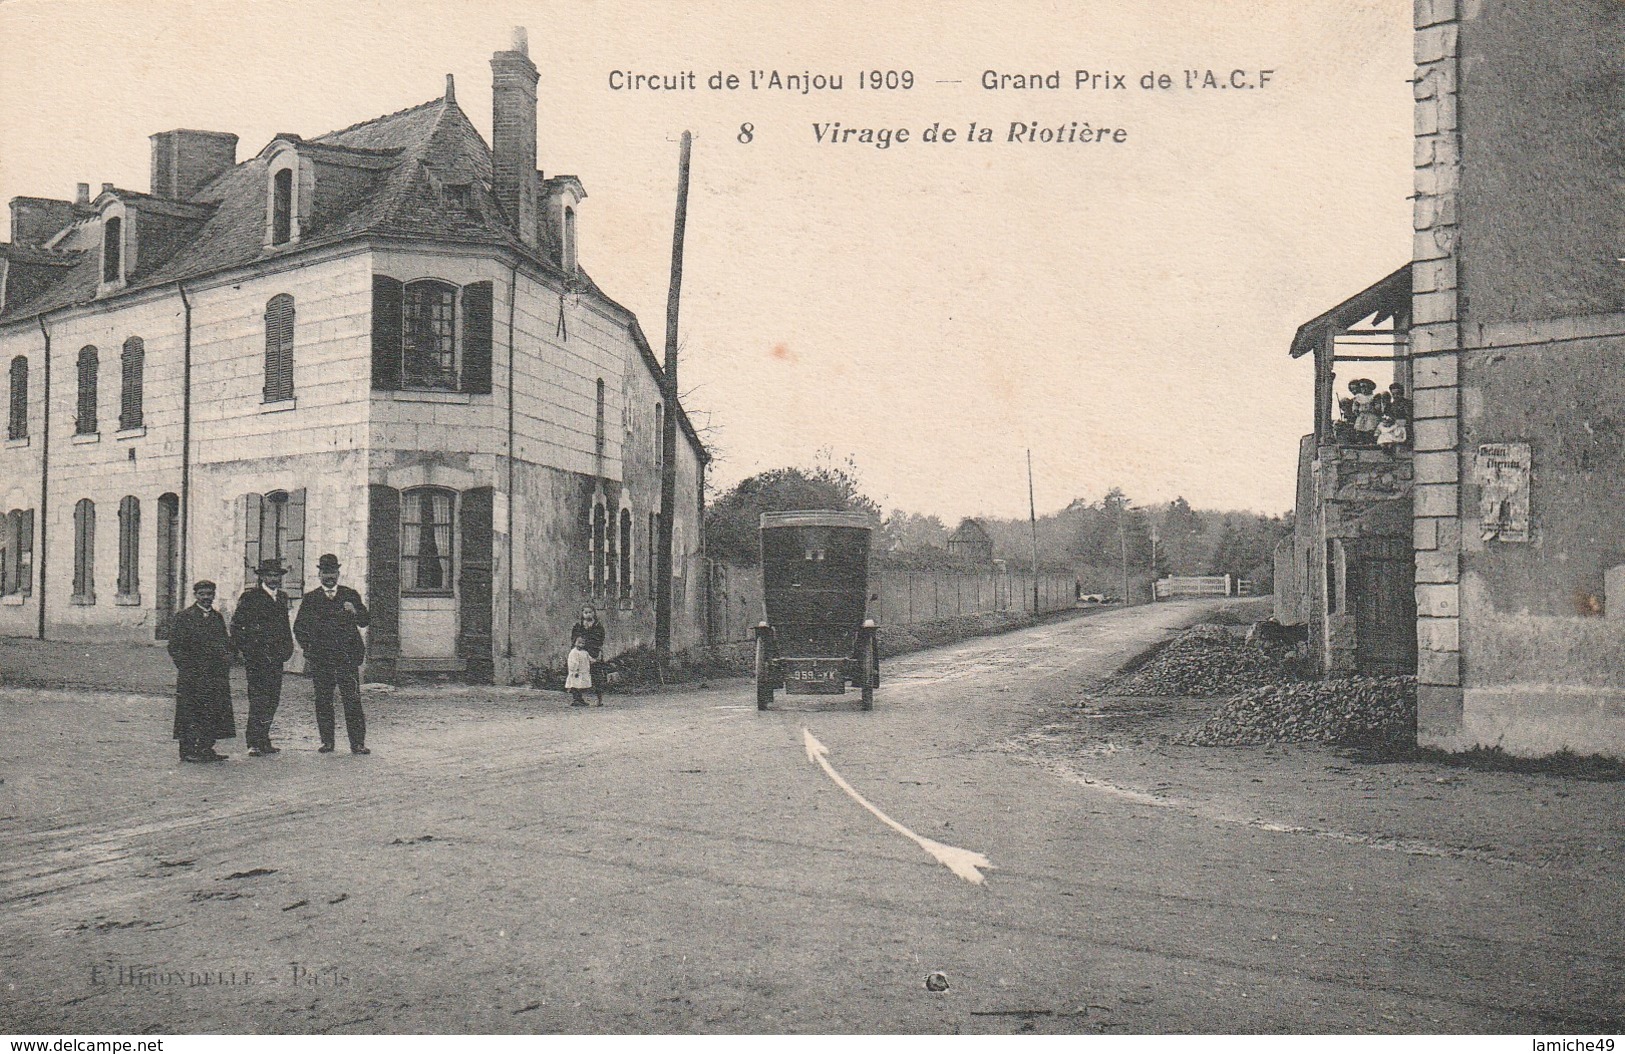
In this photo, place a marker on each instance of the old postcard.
(925, 518)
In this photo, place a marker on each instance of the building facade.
(1345, 572)
(378, 343)
(1509, 334)
(1518, 341)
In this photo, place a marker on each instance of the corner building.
(377, 342)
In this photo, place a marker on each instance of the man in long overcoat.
(202, 652)
(329, 630)
(260, 633)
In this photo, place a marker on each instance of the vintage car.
(816, 637)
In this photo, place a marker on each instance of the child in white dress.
(578, 672)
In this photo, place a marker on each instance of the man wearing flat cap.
(329, 630)
(259, 632)
(202, 652)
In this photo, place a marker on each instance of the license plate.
(814, 680)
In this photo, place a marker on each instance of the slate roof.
(400, 157)
(403, 159)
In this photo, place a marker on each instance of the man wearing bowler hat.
(202, 654)
(329, 630)
(259, 632)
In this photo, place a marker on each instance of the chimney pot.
(451, 89)
(521, 40)
(106, 187)
(81, 195)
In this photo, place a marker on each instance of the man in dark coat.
(202, 654)
(259, 632)
(329, 630)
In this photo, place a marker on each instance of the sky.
(931, 310)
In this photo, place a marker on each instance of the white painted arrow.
(961, 862)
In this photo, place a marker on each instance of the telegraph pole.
(668, 433)
(1122, 542)
(1032, 517)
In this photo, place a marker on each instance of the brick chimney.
(513, 134)
(185, 161)
(34, 221)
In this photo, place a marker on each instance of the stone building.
(1510, 326)
(376, 342)
(1346, 569)
(1518, 346)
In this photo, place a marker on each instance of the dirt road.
(679, 862)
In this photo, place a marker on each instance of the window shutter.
(8, 554)
(474, 594)
(252, 506)
(87, 390)
(279, 348)
(129, 541)
(294, 555)
(387, 298)
(383, 579)
(134, 365)
(18, 427)
(25, 551)
(477, 338)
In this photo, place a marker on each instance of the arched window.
(567, 251)
(598, 419)
(129, 546)
(430, 345)
(600, 525)
(18, 427)
(17, 552)
(426, 546)
(282, 207)
(112, 249)
(133, 364)
(84, 552)
(279, 349)
(626, 554)
(654, 544)
(85, 423)
(274, 529)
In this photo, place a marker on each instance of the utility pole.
(1122, 543)
(1032, 518)
(668, 433)
(1153, 563)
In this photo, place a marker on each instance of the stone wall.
(1518, 339)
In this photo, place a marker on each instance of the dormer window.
(568, 249)
(282, 207)
(112, 249)
(287, 195)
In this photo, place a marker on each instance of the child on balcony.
(1392, 432)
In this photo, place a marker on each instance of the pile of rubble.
(1363, 710)
(1204, 660)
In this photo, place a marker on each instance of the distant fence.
(899, 598)
(1203, 586)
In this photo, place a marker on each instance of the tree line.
(1094, 540)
